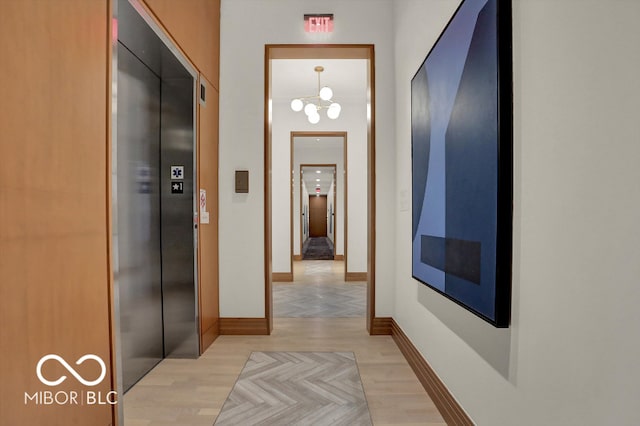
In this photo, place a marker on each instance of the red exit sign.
(318, 23)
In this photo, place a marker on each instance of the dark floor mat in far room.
(317, 248)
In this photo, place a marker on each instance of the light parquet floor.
(192, 392)
(189, 392)
(319, 291)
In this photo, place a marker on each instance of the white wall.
(246, 26)
(305, 207)
(329, 154)
(332, 216)
(571, 354)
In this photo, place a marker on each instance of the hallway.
(192, 392)
(319, 291)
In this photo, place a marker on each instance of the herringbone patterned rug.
(297, 388)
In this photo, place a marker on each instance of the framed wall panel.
(461, 126)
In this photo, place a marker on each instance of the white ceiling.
(311, 143)
(294, 78)
(312, 179)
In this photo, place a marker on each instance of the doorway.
(319, 158)
(366, 52)
(318, 212)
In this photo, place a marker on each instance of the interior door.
(317, 216)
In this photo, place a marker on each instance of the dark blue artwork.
(461, 122)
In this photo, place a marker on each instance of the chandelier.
(312, 105)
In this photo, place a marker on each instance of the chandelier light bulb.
(326, 93)
(334, 111)
(296, 105)
(314, 118)
(310, 109)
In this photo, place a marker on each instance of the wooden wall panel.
(208, 233)
(54, 270)
(195, 26)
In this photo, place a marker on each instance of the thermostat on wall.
(242, 181)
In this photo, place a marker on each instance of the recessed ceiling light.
(317, 180)
(318, 171)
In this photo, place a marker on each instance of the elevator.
(155, 239)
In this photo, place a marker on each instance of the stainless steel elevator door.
(177, 224)
(138, 215)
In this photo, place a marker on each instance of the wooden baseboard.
(282, 277)
(297, 257)
(209, 336)
(449, 408)
(356, 276)
(381, 326)
(244, 326)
